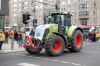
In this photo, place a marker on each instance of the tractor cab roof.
(61, 13)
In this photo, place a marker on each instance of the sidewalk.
(6, 48)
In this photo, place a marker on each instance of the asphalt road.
(89, 56)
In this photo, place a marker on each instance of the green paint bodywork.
(54, 29)
(71, 30)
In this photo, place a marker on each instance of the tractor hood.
(44, 30)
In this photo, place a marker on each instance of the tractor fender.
(64, 37)
(55, 33)
(72, 29)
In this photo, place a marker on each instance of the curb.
(11, 51)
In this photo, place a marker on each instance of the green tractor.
(56, 36)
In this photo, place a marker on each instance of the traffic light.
(57, 7)
(28, 16)
(25, 18)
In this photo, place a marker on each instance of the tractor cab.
(62, 19)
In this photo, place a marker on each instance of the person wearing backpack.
(2, 38)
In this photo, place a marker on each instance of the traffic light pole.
(56, 4)
(34, 8)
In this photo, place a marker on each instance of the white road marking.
(37, 57)
(91, 52)
(45, 58)
(54, 60)
(27, 64)
(30, 56)
(64, 62)
(76, 64)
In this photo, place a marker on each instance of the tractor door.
(67, 22)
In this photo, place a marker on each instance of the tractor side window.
(67, 21)
(58, 20)
(50, 19)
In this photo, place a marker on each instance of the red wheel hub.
(57, 46)
(78, 41)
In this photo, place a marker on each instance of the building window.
(7, 24)
(94, 5)
(84, 13)
(41, 0)
(83, 0)
(83, 6)
(15, 5)
(94, 13)
(15, 1)
(83, 21)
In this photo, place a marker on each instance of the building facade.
(85, 12)
(98, 11)
(43, 8)
(4, 13)
(15, 12)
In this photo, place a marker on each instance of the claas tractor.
(55, 36)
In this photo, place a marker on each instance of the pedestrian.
(6, 33)
(15, 35)
(92, 34)
(20, 39)
(2, 38)
(11, 37)
(32, 33)
(86, 37)
(27, 32)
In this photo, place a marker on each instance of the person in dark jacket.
(32, 33)
(15, 35)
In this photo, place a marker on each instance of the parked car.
(98, 33)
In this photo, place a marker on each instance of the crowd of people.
(9, 36)
(90, 35)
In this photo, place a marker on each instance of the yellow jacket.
(2, 37)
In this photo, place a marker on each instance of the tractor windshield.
(56, 19)
(60, 19)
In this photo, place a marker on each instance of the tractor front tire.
(54, 45)
(77, 41)
(31, 50)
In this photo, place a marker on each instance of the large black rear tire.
(77, 41)
(54, 45)
(31, 50)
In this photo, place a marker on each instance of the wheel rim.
(78, 41)
(57, 46)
